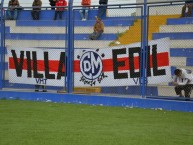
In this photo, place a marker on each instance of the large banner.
(113, 66)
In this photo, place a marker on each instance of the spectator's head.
(178, 72)
(98, 19)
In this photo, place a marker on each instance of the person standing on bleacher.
(36, 9)
(13, 9)
(85, 8)
(60, 7)
(102, 8)
(187, 9)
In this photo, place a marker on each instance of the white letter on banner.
(95, 62)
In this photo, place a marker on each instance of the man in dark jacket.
(52, 4)
(36, 9)
(102, 8)
(187, 9)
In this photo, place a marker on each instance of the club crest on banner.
(91, 67)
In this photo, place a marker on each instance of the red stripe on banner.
(162, 60)
(53, 65)
(76, 65)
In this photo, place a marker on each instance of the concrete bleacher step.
(183, 61)
(153, 90)
(63, 23)
(49, 15)
(46, 19)
(36, 43)
(62, 30)
(167, 91)
(187, 43)
(110, 29)
(27, 36)
(180, 21)
(40, 30)
(59, 43)
(12, 28)
(174, 61)
(10, 23)
(174, 35)
(22, 36)
(176, 28)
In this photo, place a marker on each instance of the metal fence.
(166, 21)
(43, 34)
(125, 60)
(117, 22)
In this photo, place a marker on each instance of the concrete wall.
(162, 10)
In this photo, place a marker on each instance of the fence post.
(143, 51)
(2, 45)
(70, 48)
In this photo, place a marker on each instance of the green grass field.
(40, 123)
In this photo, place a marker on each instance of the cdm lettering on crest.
(91, 67)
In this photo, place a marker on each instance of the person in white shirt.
(183, 80)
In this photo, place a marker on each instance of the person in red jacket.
(85, 8)
(60, 7)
